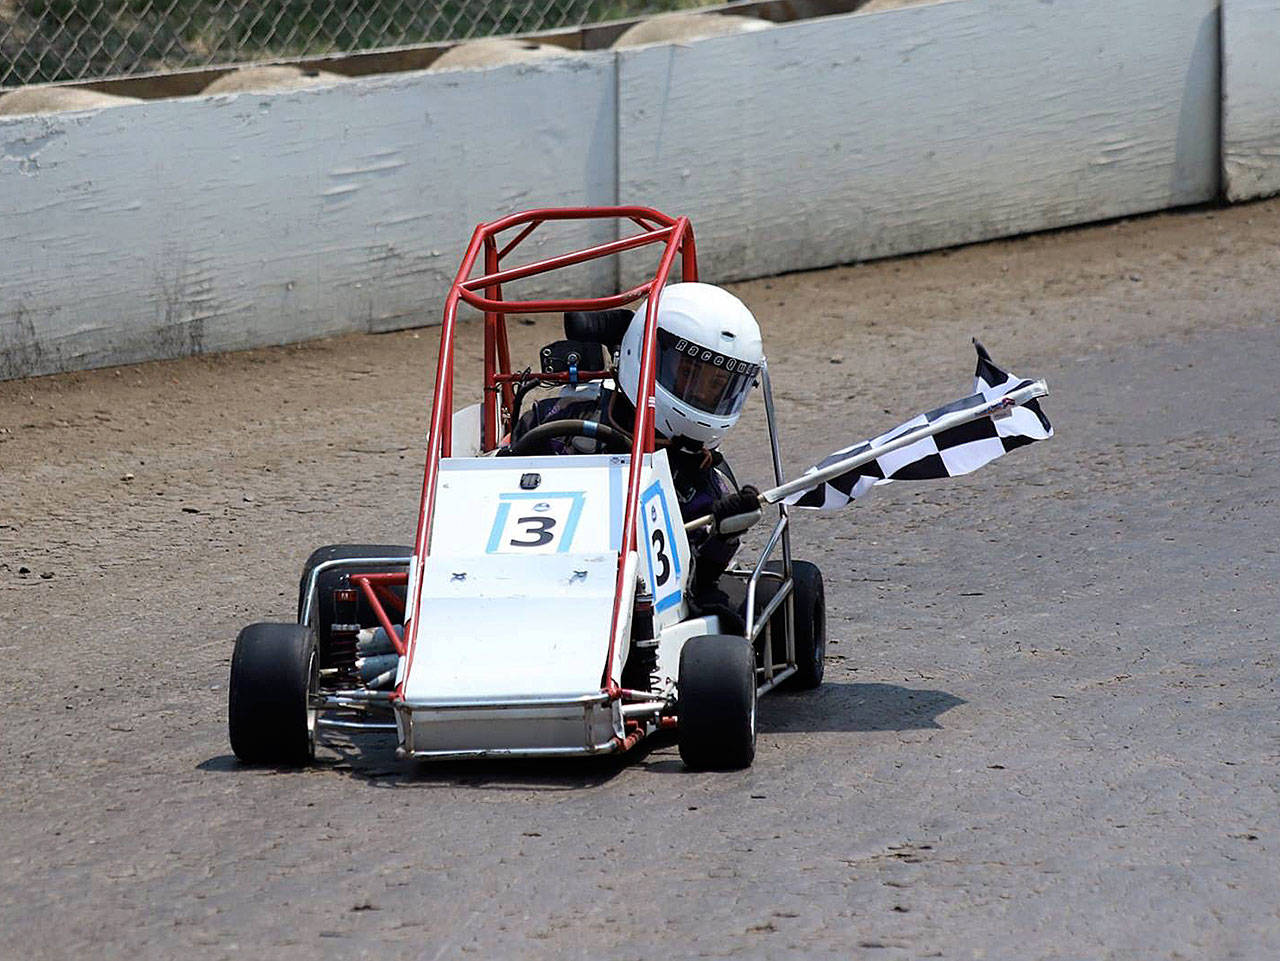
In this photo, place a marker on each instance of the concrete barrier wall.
(181, 226)
(216, 223)
(867, 135)
(1250, 98)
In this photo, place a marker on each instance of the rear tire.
(717, 703)
(341, 653)
(274, 677)
(810, 626)
(334, 552)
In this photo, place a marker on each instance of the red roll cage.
(484, 293)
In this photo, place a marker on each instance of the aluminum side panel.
(503, 626)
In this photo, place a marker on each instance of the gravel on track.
(1049, 728)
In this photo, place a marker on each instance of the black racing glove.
(740, 502)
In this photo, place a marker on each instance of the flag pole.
(1014, 398)
(1007, 403)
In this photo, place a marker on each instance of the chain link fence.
(43, 41)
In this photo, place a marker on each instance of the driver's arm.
(711, 489)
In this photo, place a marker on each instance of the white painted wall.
(179, 226)
(1250, 98)
(866, 135)
(170, 227)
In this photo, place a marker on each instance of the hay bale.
(266, 79)
(875, 6)
(493, 52)
(55, 99)
(676, 27)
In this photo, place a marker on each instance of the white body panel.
(479, 503)
(466, 431)
(484, 635)
(671, 640)
(577, 507)
(517, 598)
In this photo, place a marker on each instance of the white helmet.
(708, 357)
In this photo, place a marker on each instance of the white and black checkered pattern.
(950, 453)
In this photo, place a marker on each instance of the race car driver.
(709, 353)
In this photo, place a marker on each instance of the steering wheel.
(537, 441)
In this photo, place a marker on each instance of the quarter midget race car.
(544, 608)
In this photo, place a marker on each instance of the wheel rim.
(313, 695)
(819, 634)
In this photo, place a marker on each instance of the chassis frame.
(356, 709)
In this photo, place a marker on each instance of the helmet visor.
(701, 377)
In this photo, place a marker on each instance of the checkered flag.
(957, 438)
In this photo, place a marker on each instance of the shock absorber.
(339, 645)
(641, 670)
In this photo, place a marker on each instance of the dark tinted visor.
(701, 377)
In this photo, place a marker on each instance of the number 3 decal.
(660, 547)
(663, 559)
(542, 522)
(539, 527)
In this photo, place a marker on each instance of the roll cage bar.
(484, 292)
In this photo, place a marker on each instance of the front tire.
(271, 716)
(717, 703)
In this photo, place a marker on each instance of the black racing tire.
(275, 672)
(810, 625)
(717, 703)
(330, 655)
(333, 552)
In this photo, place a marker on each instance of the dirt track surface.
(1050, 723)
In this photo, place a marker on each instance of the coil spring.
(641, 671)
(654, 678)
